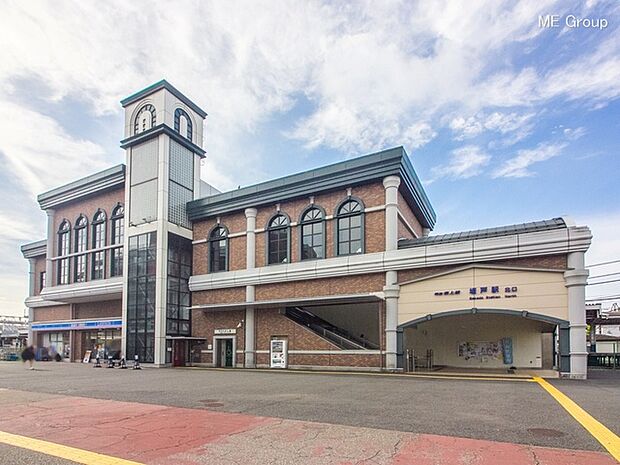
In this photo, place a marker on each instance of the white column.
(391, 184)
(49, 252)
(576, 279)
(250, 220)
(391, 291)
(32, 282)
(161, 263)
(250, 259)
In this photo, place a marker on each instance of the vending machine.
(279, 358)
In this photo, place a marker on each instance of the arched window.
(350, 228)
(278, 240)
(64, 248)
(182, 123)
(312, 234)
(98, 242)
(116, 238)
(218, 250)
(146, 118)
(81, 244)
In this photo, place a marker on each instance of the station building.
(332, 268)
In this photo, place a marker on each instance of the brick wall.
(219, 296)
(407, 213)
(204, 324)
(322, 287)
(104, 309)
(105, 201)
(270, 323)
(372, 195)
(56, 312)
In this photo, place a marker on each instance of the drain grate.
(546, 432)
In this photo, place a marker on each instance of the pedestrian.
(28, 356)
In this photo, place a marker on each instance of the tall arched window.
(218, 250)
(278, 240)
(350, 228)
(117, 237)
(182, 123)
(64, 248)
(98, 242)
(81, 244)
(146, 118)
(312, 234)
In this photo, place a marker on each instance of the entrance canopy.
(481, 311)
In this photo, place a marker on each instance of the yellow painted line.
(64, 452)
(601, 433)
(364, 373)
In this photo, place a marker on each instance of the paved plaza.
(189, 416)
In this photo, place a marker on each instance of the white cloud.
(574, 133)
(517, 167)
(502, 123)
(464, 162)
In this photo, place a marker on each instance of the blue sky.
(504, 121)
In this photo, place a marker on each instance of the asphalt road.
(18, 456)
(519, 412)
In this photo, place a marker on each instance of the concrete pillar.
(576, 279)
(391, 184)
(250, 337)
(250, 221)
(32, 282)
(49, 252)
(391, 291)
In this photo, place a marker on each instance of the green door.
(229, 353)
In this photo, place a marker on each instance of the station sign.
(482, 292)
(226, 331)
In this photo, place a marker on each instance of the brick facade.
(71, 211)
(405, 211)
(53, 313)
(93, 310)
(39, 267)
(372, 195)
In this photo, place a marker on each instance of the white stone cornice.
(37, 301)
(101, 289)
(558, 241)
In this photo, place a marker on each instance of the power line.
(603, 297)
(604, 275)
(605, 282)
(602, 263)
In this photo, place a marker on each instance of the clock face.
(145, 119)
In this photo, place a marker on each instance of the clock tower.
(163, 144)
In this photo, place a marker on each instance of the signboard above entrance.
(483, 292)
(226, 331)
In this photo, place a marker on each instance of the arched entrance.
(486, 337)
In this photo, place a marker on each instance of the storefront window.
(103, 342)
(57, 343)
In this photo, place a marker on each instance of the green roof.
(356, 171)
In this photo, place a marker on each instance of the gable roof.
(356, 171)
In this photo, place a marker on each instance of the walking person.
(28, 356)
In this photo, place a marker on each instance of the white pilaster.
(250, 337)
(49, 252)
(161, 265)
(391, 184)
(32, 283)
(576, 279)
(391, 291)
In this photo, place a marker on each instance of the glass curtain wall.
(179, 301)
(141, 297)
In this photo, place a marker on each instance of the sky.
(505, 121)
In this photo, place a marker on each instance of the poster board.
(86, 358)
